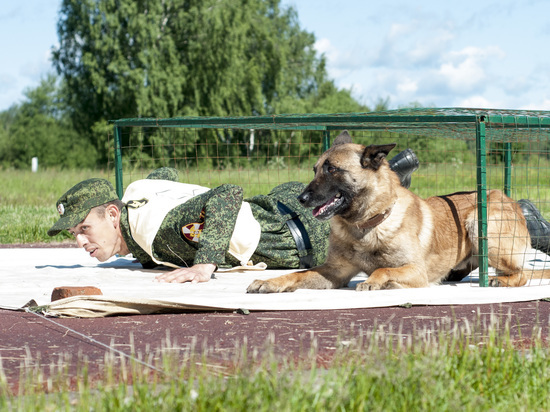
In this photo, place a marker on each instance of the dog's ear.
(374, 154)
(342, 138)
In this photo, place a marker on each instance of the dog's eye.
(331, 169)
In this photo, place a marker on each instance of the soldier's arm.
(221, 209)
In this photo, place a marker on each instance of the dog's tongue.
(320, 209)
(317, 210)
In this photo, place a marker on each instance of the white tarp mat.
(29, 273)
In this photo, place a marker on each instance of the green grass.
(475, 368)
(27, 203)
(27, 200)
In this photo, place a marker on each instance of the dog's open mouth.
(329, 209)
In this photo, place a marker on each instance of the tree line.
(141, 58)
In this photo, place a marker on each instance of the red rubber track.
(29, 341)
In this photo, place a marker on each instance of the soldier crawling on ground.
(194, 230)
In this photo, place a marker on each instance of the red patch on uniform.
(192, 231)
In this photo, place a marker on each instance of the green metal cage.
(486, 126)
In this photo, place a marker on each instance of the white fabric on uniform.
(150, 201)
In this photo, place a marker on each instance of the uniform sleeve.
(220, 214)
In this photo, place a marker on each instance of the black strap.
(299, 233)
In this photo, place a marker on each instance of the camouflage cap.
(76, 203)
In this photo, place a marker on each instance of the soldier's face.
(98, 235)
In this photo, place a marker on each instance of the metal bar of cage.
(326, 140)
(507, 168)
(481, 164)
(118, 161)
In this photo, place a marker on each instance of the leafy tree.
(143, 58)
(6, 121)
(38, 127)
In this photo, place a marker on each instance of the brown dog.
(398, 239)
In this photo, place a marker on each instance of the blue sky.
(491, 54)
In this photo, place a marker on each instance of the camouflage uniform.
(216, 210)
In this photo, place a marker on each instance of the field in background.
(27, 200)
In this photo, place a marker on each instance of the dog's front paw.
(367, 286)
(266, 286)
(258, 287)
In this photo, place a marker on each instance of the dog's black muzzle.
(304, 197)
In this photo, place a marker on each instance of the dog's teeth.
(338, 196)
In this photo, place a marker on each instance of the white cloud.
(34, 69)
(476, 101)
(543, 104)
(340, 60)
(333, 55)
(398, 30)
(407, 86)
(10, 91)
(323, 46)
(418, 42)
(7, 82)
(427, 51)
(465, 70)
(356, 88)
(465, 54)
(462, 77)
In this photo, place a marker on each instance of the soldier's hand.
(194, 274)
